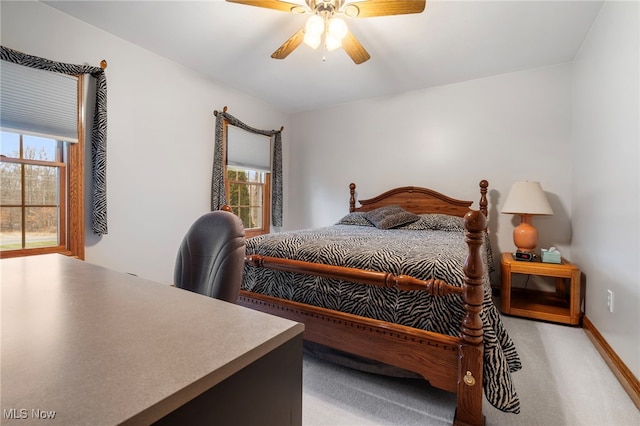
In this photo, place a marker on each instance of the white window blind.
(38, 102)
(248, 150)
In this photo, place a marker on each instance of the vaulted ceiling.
(451, 41)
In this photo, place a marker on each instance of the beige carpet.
(564, 381)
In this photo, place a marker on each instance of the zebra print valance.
(99, 130)
(218, 196)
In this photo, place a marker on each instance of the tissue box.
(551, 256)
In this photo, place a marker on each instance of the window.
(34, 195)
(41, 163)
(33, 192)
(248, 196)
(247, 178)
(239, 146)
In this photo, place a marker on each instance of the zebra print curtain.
(218, 196)
(99, 130)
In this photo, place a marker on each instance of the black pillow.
(390, 216)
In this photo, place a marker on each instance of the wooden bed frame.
(451, 363)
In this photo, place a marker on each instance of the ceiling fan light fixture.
(338, 28)
(314, 26)
(312, 40)
(332, 42)
(316, 30)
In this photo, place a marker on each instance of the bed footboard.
(452, 363)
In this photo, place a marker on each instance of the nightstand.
(562, 306)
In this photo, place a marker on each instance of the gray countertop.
(101, 347)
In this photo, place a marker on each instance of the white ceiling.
(451, 41)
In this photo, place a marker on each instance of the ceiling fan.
(326, 25)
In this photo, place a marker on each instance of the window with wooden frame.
(248, 196)
(41, 163)
(248, 179)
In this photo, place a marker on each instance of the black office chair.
(211, 256)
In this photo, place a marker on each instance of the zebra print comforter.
(420, 249)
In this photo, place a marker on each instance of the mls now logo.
(23, 413)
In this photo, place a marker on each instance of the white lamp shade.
(527, 198)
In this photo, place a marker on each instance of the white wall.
(504, 129)
(160, 135)
(606, 181)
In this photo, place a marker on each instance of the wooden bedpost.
(469, 409)
(352, 197)
(483, 197)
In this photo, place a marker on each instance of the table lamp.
(526, 199)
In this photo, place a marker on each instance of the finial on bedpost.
(483, 197)
(352, 197)
(473, 291)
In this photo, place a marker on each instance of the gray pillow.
(390, 217)
(437, 222)
(444, 222)
(355, 218)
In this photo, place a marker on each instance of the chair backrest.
(211, 257)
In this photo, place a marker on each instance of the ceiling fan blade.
(355, 49)
(289, 45)
(370, 8)
(269, 4)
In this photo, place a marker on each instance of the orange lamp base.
(525, 235)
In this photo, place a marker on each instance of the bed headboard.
(419, 201)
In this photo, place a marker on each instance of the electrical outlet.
(610, 300)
